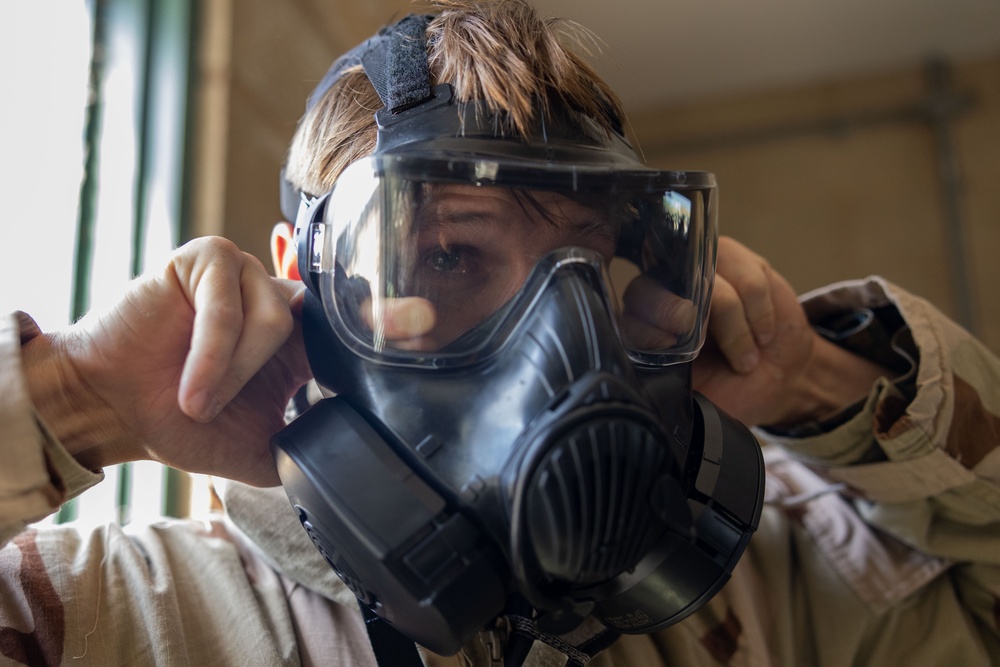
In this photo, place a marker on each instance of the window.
(43, 121)
(94, 134)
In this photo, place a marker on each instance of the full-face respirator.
(504, 328)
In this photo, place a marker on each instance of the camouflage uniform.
(879, 543)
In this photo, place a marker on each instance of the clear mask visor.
(431, 260)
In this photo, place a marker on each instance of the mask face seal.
(507, 324)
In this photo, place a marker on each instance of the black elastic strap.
(391, 647)
(395, 61)
(398, 69)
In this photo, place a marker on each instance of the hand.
(759, 341)
(748, 354)
(763, 363)
(654, 317)
(193, 368)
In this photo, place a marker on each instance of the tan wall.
(820, 206)
(258, 64)
(824, 203)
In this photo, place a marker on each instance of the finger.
(212, 287)
(291, 289)
(400, 318)
(647, 301)
(267, 324)
(643, 336)
(294, 292)
(729, 328)
(241, 318)
(748, 273)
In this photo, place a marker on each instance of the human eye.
(449, 269)
(448, 260)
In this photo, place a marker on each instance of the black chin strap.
(392, 648)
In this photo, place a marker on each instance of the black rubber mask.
(504, 326)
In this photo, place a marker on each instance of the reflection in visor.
(423, 268)
(678, 211)
(358, 217)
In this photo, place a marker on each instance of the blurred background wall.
(849, 138)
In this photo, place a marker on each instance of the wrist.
(83, 423)
(831, 380)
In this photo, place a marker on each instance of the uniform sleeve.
(179, 592)
(38, 474)
(924, 453)
(919, 458)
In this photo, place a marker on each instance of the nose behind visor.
(429, 259)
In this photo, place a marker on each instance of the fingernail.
(748, 362)
(205, 406)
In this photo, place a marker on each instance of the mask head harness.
(526, 446)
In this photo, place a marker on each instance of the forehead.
(460, 201)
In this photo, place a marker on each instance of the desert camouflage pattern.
(879, 543)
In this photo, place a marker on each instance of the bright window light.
(45, 50)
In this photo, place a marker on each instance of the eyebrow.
(464, 218)
(476, 213)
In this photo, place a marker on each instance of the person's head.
(500, 52)
(465, 187)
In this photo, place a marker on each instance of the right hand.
(193, 368)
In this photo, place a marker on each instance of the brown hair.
(496, 51)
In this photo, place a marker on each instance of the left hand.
(760, 346)
(763, 363)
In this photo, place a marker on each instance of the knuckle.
(252, 260)
(756, 288)
(227, 316)
(724, 299)
(727, 243)
(216, 245)
(197, 255)
(729, 247)
(278, 319)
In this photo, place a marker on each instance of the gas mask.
(504, 328)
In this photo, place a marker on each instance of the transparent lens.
(424, 264)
